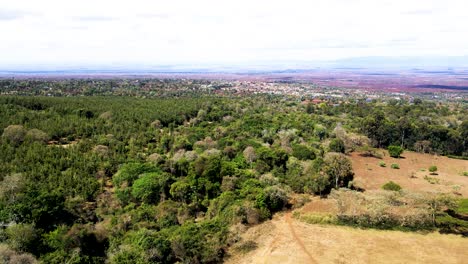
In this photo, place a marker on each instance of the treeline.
(421, 126)
(105, 87)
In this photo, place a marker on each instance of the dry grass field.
(287, 240)
(370, 175)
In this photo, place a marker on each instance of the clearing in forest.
(413, 173)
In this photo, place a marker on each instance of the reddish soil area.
(413, 170)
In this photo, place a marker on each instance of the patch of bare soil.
(287, 240)
(411, 175)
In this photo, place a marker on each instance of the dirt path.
(278, 241)
(298, 240)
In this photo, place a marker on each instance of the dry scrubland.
(370, 175)
(285, 239)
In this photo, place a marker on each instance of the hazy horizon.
(57, 34)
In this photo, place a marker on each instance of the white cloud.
(204, 31)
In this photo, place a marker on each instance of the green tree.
(337, 145)
(303, 152)
(338, 167)
(151, 187)
(14, 134)
(37, 135)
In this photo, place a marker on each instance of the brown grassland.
(285, 239)
(413, 168)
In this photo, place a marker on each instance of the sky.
(197, 32)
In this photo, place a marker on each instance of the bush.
(395, 166)
(21, 237)
(317, 218)
(382, 164)
(391, 186)
(462, 206)
(337, 145)
(433, 169)
(431, 180)
(246, 246)
(8, 255)
(395, 151)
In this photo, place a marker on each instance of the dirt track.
(297, 239)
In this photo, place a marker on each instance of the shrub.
(337, 145)
(8, 255)
(391, 186)
(395, 166)
(317, 218)
(431, 180)
(21, 237)
(433, 169)
(395, 151)
(382, 164)
(246, 246)
(462, 206)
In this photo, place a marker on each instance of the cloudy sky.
(237, 31)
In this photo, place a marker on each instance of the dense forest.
(135, 175)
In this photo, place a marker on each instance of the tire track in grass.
(298, 240)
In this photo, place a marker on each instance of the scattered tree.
(338, 167)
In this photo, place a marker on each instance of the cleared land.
(287, 240)
(370, 175)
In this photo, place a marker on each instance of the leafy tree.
(337, 145)
(249, 154)
(151, 187)
(37, 135)
(338, 167)
(433, 169)
(129, 172)
(302, 152)
(14, 134)
(439, 202)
